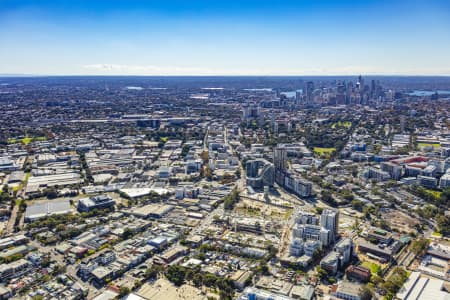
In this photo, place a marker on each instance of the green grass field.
(345, 124)
(373, 267)
(420, 145)
(26, 140)
(436, 194)
(324, 151)
(436, 235)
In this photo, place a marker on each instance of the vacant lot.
(400, 221)
(162, 289)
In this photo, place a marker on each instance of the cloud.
(115, 69)
(146, 70)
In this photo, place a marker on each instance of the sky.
(216, 37)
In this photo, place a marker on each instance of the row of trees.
(231, 199)
(440, 200)
(393, 284)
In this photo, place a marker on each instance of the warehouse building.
(41, 210)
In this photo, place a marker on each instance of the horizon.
(218, 75)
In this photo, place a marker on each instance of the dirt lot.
(400, 221)
(258, 209)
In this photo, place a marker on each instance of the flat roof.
(424, 288)
(139, 192)
(106, 295)
(152, 209)
(40, 210)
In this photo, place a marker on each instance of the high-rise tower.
(329, 219)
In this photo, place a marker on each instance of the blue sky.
(215, 37)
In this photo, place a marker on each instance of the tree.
(263, 269)
(153, 272)
(357, 205)
(347, 195)
(231, 199)
(4, 194)
(176, 274)
(185, 150)
(321, 273)
(137, 284)
(443, 223)
(395, 281)
(272, 250)
(317, 254)
(59, 269)
(366, 293)
(419, 246)
(198, 279)
(51, 193)
(127, 233)
(124, 291)
(375, 279)
(327, 197)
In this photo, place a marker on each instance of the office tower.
(309, 89)
(361, 82)
(340, 94)
(298, 96)
(373, 88)
(402, 124)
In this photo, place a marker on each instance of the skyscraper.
(298, 96)
(309, 88)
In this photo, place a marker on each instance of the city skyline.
(220, 38)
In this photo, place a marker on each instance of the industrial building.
(95, 202)
(41, 210)
(424, 288)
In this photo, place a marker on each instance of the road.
(205, 140)
(12, 219)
